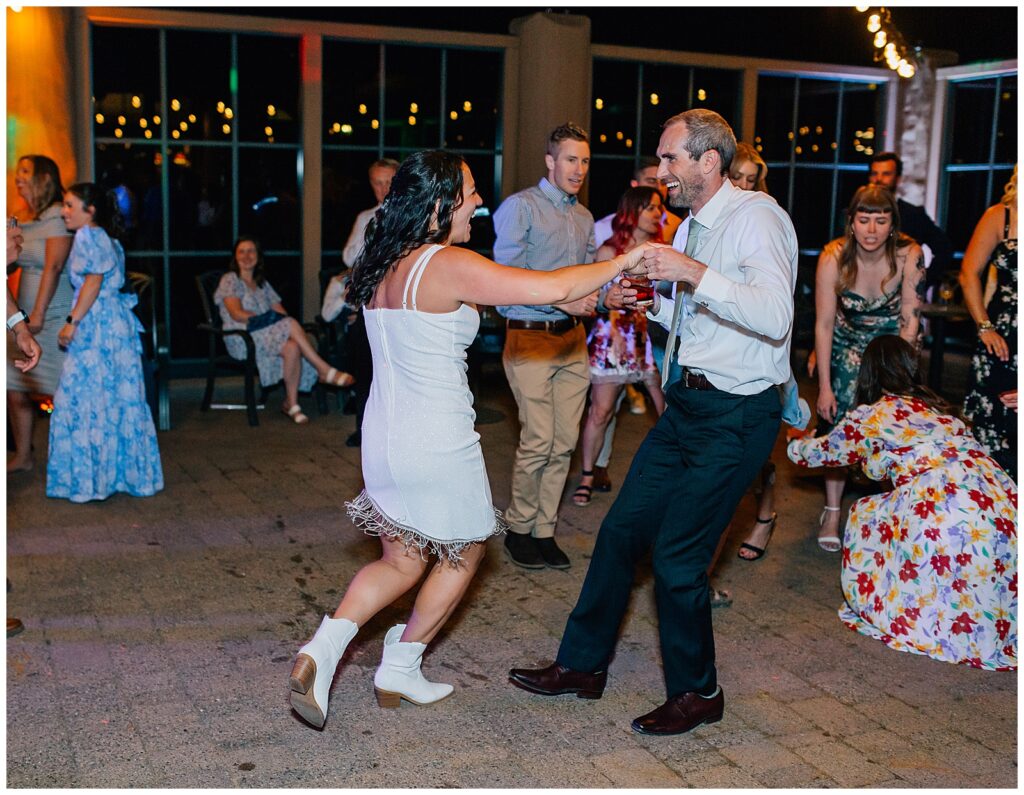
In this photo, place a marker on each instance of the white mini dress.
(423, 469)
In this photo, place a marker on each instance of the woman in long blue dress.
(102, 438)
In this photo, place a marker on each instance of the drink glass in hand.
(644, 289)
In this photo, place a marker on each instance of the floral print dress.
(994, 424)
(931, 566)
(620, 348)
(102, 438)
(268, 340)
(858, 321)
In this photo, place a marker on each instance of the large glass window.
(980, 151)
(817, 137)
(632, 100)
(198, 135)
(398, 99)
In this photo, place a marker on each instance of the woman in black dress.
(994, 366)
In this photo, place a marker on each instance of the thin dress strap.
(415, 274)
(1006, 223)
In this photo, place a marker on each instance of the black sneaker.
(522, 550)
(552, 556)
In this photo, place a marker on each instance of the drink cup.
(644, 290)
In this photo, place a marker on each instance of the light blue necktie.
(673, 332)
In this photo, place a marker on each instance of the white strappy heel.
(829, 543)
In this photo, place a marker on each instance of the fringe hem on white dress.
(365, 512)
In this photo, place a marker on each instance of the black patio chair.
(206, 283)
(155, 354)
(217, 355)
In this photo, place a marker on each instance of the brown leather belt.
(550, 326)
(693, 380)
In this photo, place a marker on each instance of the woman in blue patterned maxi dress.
(102, 438)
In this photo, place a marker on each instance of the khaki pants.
(549, 375)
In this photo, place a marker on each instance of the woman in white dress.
(426, 484)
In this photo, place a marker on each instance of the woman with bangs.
(869, 283)
(619, 347)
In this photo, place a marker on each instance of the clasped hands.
(657, 262)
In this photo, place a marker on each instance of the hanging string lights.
(890, 46)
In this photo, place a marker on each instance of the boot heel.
(387, 699)
(592, 694)
(303, 674)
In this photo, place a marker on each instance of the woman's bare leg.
(298, 335)
(602, 406)
(759, 532)
(440, 595)
(380, 583)
(19, 410)
(835, 482)
(291, 371)
(657, 396)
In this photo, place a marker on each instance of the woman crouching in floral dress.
(931, 566)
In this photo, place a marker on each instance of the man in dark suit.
(886, 168)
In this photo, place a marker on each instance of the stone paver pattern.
(161, 632)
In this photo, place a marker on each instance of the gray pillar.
(554, 86)
(915, 134)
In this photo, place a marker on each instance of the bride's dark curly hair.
(425, 180)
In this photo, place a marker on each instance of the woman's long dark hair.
(259, 273)
(104, 202)
(627, 215)
(425, 182)
(889, 366)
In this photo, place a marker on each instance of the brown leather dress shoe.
(681, 714)
(601, 481)
(14, 626)
(557, 680)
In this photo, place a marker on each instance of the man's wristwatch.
(71, 320)
(986, 326)
(16, 318)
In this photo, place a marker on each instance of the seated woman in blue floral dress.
(283, 351)
(102, 438)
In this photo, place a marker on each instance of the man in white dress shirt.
(381, 174)
(357, 346)
(737, 278)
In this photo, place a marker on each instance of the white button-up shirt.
(354, 246)
(741, 325)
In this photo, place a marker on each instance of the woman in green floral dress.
(868, 283)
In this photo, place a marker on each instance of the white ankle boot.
(399, 674)
(314, 668)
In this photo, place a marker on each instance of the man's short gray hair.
(385, 162)
(707, 130)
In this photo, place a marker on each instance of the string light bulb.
(889, 43)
